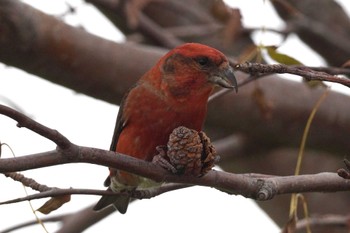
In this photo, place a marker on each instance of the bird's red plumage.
(173, 93)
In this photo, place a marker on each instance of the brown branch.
(139, 194)
(330, 220)
(330, 70)
(137, 20)
(158, 34)
(258, 71)
(305, 72)
(246, 185)
(47, 47)
(104, 72)
(33, 222)
(149, 193)
(58, 192)
(46, 191)
(194, 30)
(326, 35)
(86, 218)
(28, 182)
(256, 188)
(24, 121)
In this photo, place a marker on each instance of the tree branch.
(47, 47)
(69, 57)
(33, 222)
(327, 35)
(305, 72)
(139, 194)
(24, 121)
(324, 221)
(260, 188)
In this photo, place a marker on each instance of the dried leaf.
(209, 155)
(54, 203)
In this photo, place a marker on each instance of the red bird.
(171, 94)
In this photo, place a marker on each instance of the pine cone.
(209, 156)
(190, 152)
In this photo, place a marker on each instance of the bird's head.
(192, 69)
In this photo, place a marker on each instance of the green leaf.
(288, 60)
(281, 57)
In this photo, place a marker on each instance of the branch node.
(266, 190)
(69, 151)
(345, 172)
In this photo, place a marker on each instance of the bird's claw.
(160, 160)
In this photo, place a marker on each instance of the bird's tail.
(120, 202)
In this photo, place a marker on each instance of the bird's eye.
(203, 61)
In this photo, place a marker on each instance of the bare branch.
(194, 30)
(58, 192)
(305, 72)
(149, 193)
(150, 28)
(33, 222)
(326, 35)
(246, 185)
(28, 182)
(24, 121)
(259, 188)
(330, 70)
(139, 194)
(324, 221)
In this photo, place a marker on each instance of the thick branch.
(69, 56)
(45, 46)
(243, 184)
(325, 33)
(247, 185)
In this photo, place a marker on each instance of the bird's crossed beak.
(224, 77)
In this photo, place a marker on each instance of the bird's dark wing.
(119, 125)
(120, 202)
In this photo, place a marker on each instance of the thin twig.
(58, 192)
(330, 70)
(329, 220)
(194, 30)
(150, 28)
(28, 182)
(24, 121)
(139, 194)
(305, 72)
(149, 193)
